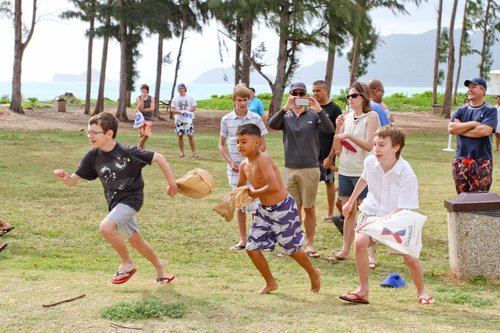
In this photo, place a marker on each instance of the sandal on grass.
(166, 279)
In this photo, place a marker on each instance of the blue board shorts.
(276, 224)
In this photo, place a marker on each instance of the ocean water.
(51, 90)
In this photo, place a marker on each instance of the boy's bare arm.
(242, 179)
(165, 168)
(69, 180)
(223, 151)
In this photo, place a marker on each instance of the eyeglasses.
(297, 93)
(92, 133)
(353, 96)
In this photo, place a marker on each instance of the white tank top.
(351, 163)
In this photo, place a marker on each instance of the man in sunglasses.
(300, 120)
(376, 93)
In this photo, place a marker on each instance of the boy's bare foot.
(126, 267)
(341, 256)
(268, 288)
(160, 269)
(316, 281)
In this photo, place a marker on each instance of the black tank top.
(147, 105)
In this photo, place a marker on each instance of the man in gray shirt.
(300, 119)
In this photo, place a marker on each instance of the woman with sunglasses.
(354, 140)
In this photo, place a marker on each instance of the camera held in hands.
(302, 102)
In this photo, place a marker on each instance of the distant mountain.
(82, 77)
(402, 60)
(226, 75)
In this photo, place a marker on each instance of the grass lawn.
(56, 252)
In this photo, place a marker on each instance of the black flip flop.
(3, 246)
(4, 231)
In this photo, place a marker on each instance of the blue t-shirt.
(256, 106)
(381, 113)
(476, 148)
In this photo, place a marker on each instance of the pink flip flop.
(166, 279)
(122, 277)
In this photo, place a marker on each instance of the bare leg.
(191, 143)
(109, 232)
(497, 137)
(314, 274)
(372, 254)
(417, 274)
(310, 226)
(180, 141)
(142, 138)
(242, 225)
(361, 256)
(349, 224)
(262, 266)
(143, 247)
(330, 197)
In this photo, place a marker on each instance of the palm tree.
(437, 53)
(451, 63)
(86, 11)
(19, 48)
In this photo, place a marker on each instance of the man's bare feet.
(316, 281)
(268, 288)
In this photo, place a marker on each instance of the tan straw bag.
(196, 184)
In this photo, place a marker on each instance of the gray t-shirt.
(120, 173)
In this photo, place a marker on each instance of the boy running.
(276, 219)
(119, 168)
(392, 187)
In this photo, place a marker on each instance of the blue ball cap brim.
(476, 80)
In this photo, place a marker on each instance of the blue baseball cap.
(477, 80)
(393, 280)
(298, 85)
(181, 85)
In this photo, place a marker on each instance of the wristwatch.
(332, 157)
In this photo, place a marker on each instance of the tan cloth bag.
(196, 184)
(237, 198)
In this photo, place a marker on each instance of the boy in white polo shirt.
(392, 187)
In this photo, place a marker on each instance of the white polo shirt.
(398, 188)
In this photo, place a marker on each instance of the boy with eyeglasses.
(300, 126)
(119, 166)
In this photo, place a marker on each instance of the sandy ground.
(206, 120)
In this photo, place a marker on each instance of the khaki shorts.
(302, 184)
(362, 218)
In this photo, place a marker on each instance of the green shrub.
(4, 99)
(149, 308)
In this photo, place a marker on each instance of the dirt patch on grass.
(206, 120)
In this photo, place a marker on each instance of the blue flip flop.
(393, 280)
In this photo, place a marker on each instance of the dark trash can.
(61, 104)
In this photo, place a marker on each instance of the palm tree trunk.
(178, 64)
(451, 63)
(356, 54)
(89, 58)
(159, 64)
(237, 55)
(485, 34)
(121, 112)
(330, 61)
(460, 52)
(437, 53)
(99, 107)
(247, 50)
(279, 82)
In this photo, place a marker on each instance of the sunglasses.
(353, 96)
(297, 93)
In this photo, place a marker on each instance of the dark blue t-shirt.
(120, 173)
(476, 148)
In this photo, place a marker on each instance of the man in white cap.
(473, 124)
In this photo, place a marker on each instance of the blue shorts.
(277, 224)
(346, 187)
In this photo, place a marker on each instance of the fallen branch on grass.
(127, 327)
(63, 301)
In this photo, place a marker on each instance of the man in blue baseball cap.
(472, 167)
(301, 119)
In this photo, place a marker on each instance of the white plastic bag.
(139, 119)
(401, 231)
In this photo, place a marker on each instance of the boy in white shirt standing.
(392, 187)
(184, 106)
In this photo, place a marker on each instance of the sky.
(60, 46)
